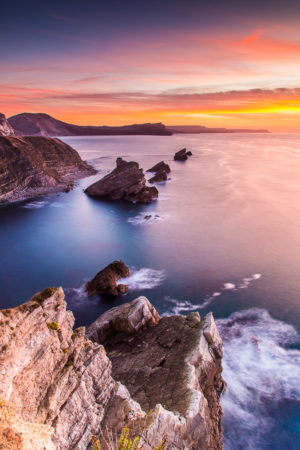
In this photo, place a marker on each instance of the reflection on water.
(223, 236)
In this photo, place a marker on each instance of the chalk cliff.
(32, 166)
(161, 377)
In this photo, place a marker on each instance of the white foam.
(187, 306)
(144, 219)
(35, 205)
(57, 205)
(228, 286)
(260, 371)
(144, 278)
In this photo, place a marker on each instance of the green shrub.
(53, 325)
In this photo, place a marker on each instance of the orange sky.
(245, 76)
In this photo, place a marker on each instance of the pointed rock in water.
(182, 155)
(160, 166)
(105, 282)
(126, 182)
(159, 176)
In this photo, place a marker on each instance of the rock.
(148, 216)
(58, 388)
(32, 166)
(170, 367)
(105, 282)
(56, 381)
(160, 166)
(182, 155)
(126, 182)
(5, 128)
(159, 176)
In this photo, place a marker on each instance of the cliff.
(201, 129)
(5, 128)
(158, 376)
(32, 166)
(39, 124)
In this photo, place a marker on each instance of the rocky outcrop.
(40, 124)
(32, 166)
(161, 170)
(126, 182)
(171, 365)
(62, 388)
(105, 282)
(182, 155)
(5, 128)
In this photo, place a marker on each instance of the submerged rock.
(105, 282)
(62, 387)
(126, 182)
(182, 155)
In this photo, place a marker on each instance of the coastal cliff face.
(5, 128)
(39, 124)
(32, 166)
(161, 377)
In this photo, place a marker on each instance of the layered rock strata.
(32, 166)
(125, 182)
(63, 388)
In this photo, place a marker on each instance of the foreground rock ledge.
(59, 388)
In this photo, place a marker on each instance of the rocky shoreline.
(34, 166)
(160, 377)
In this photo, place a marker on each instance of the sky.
(110, 62)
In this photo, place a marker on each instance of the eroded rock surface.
(174, 362)
(160, 166)
(161, 377)
(32, 166)
(126, 182)
(105, 282)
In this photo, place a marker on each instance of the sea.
(223, 236)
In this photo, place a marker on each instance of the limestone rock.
(32, 166)
(126, 182)
(105, 282)
(171, 368)
(5, 128)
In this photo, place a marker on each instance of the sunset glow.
(226, 68)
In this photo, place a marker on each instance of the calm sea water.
(224, 237)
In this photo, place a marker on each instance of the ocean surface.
(224, 236)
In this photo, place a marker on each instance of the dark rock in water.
(126, 182)
(105, 282)
(161, 166)
(159, 176)
(182, 155)
(122, 288)
(69, 187)
(148, 217)
(31, 166)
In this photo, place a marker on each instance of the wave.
(35, 205)
(260, 371)
(77, 297)
(144, 278)
(144, 219)
(187, 306)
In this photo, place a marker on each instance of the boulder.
(105, 282)
(161, 166)
(126, 182)
(182, 155)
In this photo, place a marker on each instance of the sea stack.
(105, 282)
(182, 155)
(125, 182)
